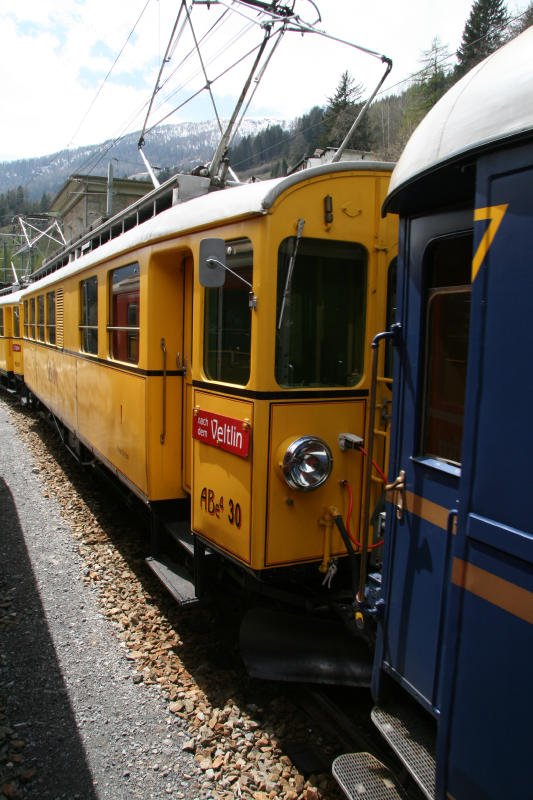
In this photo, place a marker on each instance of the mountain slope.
(181, 146)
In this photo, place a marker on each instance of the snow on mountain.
(181, 146)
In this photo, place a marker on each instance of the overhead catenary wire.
(163, 62)
(186, 57)
(95, 159)
(207, 81)
(115, 62)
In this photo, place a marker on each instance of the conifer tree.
(340, 113)
(524, 21)
(484, 32)
(431, 82)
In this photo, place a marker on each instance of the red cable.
(376, 466)
(350, 504)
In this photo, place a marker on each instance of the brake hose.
(349, 514)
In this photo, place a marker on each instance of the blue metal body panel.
(417, 555)
(457, 626)
(485, 734)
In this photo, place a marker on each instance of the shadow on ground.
(41, 755)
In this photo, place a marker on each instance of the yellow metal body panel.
(139, 417)
(222, 495)
(6, 358)
(162, 347)
(51, 376)
(120, 411)
(17, 350)
(111, 406)
(11, 347)
(6, 354)
(295, 519)
(186, 363)
(286, 524)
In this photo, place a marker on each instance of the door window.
(40, 317)
(228, 319)
(89, 315)
(125, 287)
(320, 319)
(447, 304)
(16, 322)
(51, 317)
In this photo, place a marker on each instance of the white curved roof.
(491, 102)
(11, 298)
(216, 207)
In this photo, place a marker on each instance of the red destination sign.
(15, 348)
(232, 435)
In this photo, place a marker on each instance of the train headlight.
(306, 463)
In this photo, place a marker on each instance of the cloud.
(65, 89)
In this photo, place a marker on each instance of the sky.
(78, 72)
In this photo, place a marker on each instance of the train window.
(227, 320)
(32, 318)
(1, 321)
(89, 315)
(51, 317)
(448, 268)
(320, 320)
(391, 314)
(16, 322)
(26, 320)
(124, 284)
(40, 317)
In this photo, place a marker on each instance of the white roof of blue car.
(494, 101)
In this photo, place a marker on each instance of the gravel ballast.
(79, 723)
(107, 689)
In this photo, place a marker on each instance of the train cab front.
(280, 419)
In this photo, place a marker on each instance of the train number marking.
(209, 502)
(495, 215)
(215, 507)
(234, 516)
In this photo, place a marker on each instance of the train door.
(185, 359)
(486, 741)
(433, 297)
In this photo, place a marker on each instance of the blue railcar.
(453, 664)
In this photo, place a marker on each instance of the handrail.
(162, 437)
(392, 334)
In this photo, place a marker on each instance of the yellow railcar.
(217, 355)
(11, 349)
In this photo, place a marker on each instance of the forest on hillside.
(391, 119)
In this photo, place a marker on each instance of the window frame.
(130, 353)
(50, 326)
(85, 327)
(431, 351)
(16, 322)
(32, 318)
(40, 318)
(298, 365)
(228, 361)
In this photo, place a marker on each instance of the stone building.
(87, 200)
